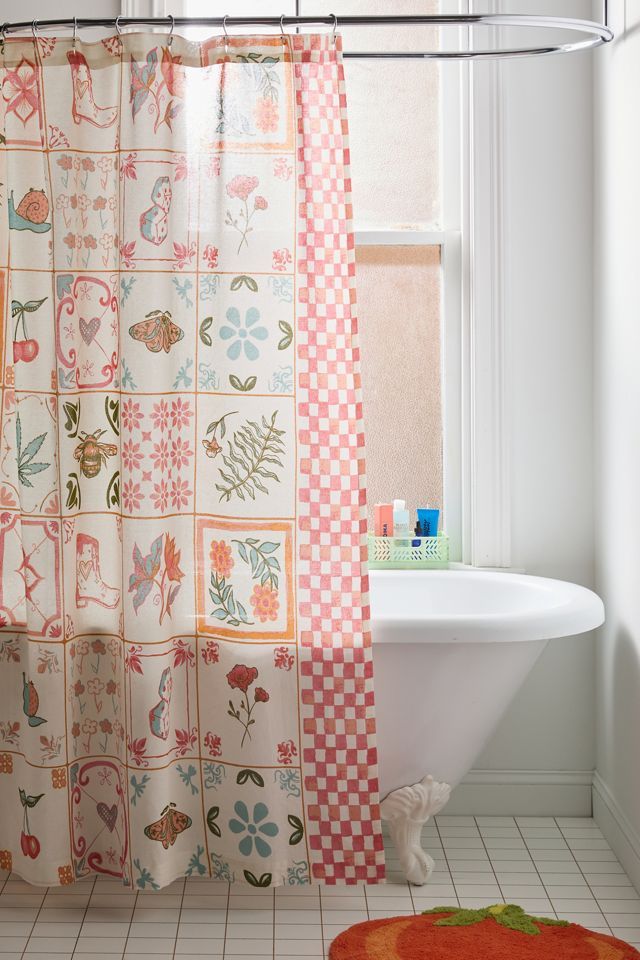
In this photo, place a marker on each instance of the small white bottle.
(401, 530)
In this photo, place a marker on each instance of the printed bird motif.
(30, 702)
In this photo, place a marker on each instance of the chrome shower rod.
(593, 34)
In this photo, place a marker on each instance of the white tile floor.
(559, 867)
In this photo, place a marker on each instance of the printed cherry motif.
(28, 348)
(29, 843)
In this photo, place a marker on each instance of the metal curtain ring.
(3, 30)
(173, 26)
(34, 30)
(118, 27)
(75, 32)
(283, 35)
(335, 27)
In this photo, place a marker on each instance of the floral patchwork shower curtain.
(185, 667)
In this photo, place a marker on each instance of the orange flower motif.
(265, 603)
(6, 763)
(5, 860)
(221, 559)
(266, 113)
(172, 559)
(59, 778)
(65, 874)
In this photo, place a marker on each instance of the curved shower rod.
(594, 34)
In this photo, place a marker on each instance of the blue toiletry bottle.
(428, 518)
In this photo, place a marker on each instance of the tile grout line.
(86, 907)
(535, 866)
(486, 850)
(446, 859)
(184, 888)
(273, 922)
(39, 911)
(133, 913)
(226, 922)
(583, 876)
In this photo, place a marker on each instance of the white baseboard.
(523, 793)
(619, 833)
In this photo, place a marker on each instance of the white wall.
(548, 201)
(617, 355)
(548, 206)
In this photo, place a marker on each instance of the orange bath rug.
(500, 932)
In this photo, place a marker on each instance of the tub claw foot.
(407, 809)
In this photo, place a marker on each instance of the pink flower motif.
(21, 84)
(281, 259)
(260, 203)
(160, 415)
(213, 743)
(65, 161)
(180, 453)
(160, 456)
(210, 256)
(211, 652)
(213, 167)
(180, 494)
(266, 114)
(241, 186)
(131, 456)
(160, 496)
(131, 415)
(283, 659)
(286, 752)
(132, 496)
(180, 413)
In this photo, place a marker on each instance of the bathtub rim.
(581, 611)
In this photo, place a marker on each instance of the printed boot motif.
(154, 222)
(90, 587)
(159, 715)
(83, 106)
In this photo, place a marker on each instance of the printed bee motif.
(92, 454)
(157, 332)
(166, 829)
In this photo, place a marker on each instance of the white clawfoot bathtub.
(450, 649)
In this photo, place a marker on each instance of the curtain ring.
(335, 27)
(75, 32)
(226, 35)
(118, 27)
(3, 30)
(34, 30)
(173, 26)
(283, 35)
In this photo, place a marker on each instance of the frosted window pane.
(394, 117)
(398, 289)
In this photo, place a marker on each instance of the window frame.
(474, 336)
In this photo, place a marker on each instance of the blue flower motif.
(241, 333)
(253, 827)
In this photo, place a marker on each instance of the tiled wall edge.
(523, 793)
(616, 828)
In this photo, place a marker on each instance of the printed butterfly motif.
(157, 332)
(166, 829)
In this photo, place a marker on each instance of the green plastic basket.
(409, 553)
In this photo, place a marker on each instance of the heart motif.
(81, 87)
(88, 329)
(84, 567)
(108, 814)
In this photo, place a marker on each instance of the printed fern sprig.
(227, 607)
(263, 566)
(253, 448)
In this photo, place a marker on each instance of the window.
(407, 222)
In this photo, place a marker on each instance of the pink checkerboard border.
(336, 671)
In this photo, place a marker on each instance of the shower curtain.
(185, 664)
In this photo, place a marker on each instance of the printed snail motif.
(31, 702)
(171, 823)
(157, 331)
(154, 222)
(83, 106)
(92, 454)
(31, 213)
(159, 715)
